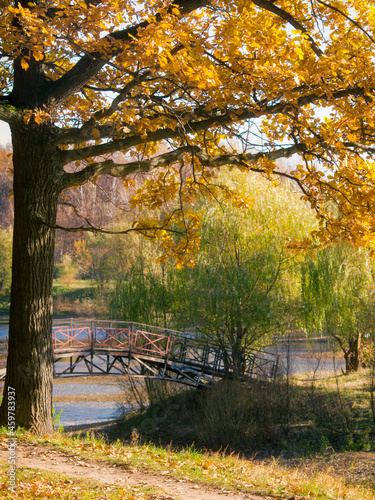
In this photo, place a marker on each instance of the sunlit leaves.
(301, 71)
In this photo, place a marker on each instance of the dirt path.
(48, 458)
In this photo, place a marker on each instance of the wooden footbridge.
(137, 350)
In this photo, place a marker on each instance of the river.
(300, 358)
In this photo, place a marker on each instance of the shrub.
(244, 416)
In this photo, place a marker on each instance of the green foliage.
(246, 283)
(336, 289)
(338, 297)
(56, 416)
(102, 259)
(142, 293)
(67, 270)
(5, 260)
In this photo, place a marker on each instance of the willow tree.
(245, 285)
(338, 299)
(165, 83)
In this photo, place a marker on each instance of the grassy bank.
(307, 437)
(79, 298)
(296, 417)
(215, 469)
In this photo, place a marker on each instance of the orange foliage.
(169, 84)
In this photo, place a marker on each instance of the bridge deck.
(99, 347)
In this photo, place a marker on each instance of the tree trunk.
(30, 355)
(238, 351)
(353, 356)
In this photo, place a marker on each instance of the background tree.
(245, 284)
(338, 297)
(5, 261)
(80, 81)
(144, 291)
(67, 271)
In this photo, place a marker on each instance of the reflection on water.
(73, 389)
(298, 365)
(85, 412)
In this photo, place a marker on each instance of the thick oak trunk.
(30, 356)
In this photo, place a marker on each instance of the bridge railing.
(113, 335)
(66, 338)
(217, 357)
(196, 351)
(111, 338)
(151, 343)
(160, 342)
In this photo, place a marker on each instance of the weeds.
(243, 416)
(56, 416)
(293, 415)
(220, 470)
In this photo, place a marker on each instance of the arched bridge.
(137, 350)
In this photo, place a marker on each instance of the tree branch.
(109, 167)
(92, 229)
(221, 118)
(353, 21)
(271, 7)
(246, 159)
(9, 114)
(87, 67)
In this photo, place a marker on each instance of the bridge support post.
(130, 341)
(92, 334)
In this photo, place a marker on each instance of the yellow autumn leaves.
(302, 72)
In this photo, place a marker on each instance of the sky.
(4, 134)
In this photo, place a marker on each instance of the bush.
(244, 416)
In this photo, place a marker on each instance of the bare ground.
(33, 456)
(355, 467)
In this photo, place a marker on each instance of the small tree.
(337, 297)
(67, 270)
(245, 284)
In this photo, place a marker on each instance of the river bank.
(89, 399)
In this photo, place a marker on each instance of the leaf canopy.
(204, 83)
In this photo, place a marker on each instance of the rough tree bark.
(30, 358)
(353, 355)
(39, 178)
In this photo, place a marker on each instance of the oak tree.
(166, 83)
